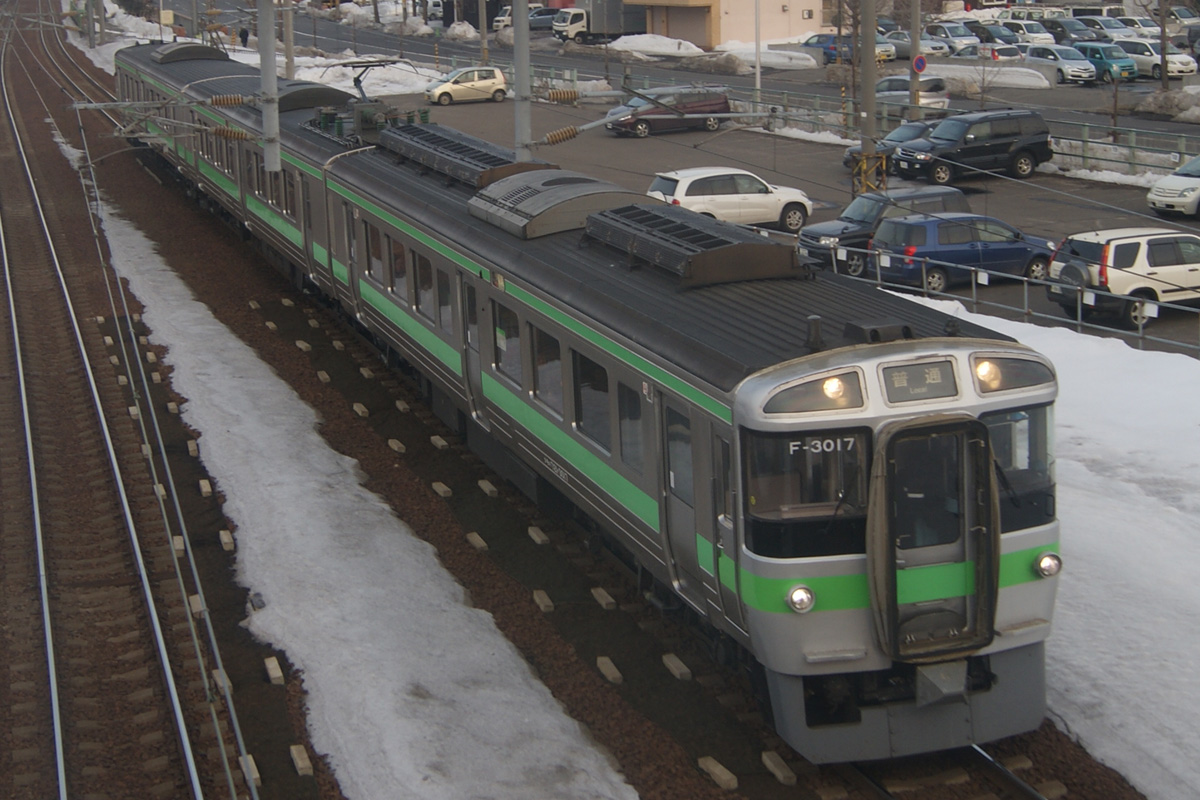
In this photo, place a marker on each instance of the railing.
(1034, 303)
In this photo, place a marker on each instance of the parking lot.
(1047, 205)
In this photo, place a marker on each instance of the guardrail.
(1034, 305)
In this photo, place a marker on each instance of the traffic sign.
(919, 64)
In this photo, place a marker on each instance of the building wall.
(708, 23)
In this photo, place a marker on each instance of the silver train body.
(854, 493)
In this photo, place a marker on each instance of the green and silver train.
(853, 493)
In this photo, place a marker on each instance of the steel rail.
(164, 658)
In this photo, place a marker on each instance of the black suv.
(854, 227)
(1010, 139)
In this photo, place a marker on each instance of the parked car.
(1177, 193)
(955, 245)
(504, 18)
(435, 9)
(1068, 30)
(467, 84)
(1095, 271)
(1147, 55)
(992, 52)
(929, 45)
(854, 227)
(674, 108)
(954, 34)
(1016, 140)
(884, 49)
(541, 19)
(991, 32)
(1110, 61)
(827, 48)
(1144, 27)
(1030, 30)
(895, 91)
(886, 25)
(1038, 12)
(1108, 28)
(908, 132)
(733, 195)
(1068, 63)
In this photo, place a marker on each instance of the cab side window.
(1162, 253)
(955, 233)
(1005, 128)
(980, 132)
(1189, 251)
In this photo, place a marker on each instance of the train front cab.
(898, 539)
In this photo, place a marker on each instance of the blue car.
(937, 252)
(826, 47)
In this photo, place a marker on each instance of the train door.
(680, 501)
(937, 565)
(471, 360)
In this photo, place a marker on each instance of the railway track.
(111, 689)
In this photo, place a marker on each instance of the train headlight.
(988, 375)
(833, 388)
(995, 373)
(1048, 565)
(831, 393)
(801, 599)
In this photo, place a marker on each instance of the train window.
(423, 273)
(351, 233)
(508, 342)
(928, 490)
(591, 400)
(547, 370)
(444, 299)
(629, 416)
(722, 482)
(289, 194)
(806, 492)
(399, 268)
(679, 456)
(1023, 456)
(374, 251)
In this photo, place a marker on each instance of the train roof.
(210, 72)
(716, 300)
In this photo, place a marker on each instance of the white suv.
(1117, 270)
(733, 195)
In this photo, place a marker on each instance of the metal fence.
(1078, 312)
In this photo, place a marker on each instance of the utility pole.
(914, 78)
(523, 132)
(270, 85)
(483, 31)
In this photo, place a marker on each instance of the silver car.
(1068, 63)
(954, 34)
(929, 45)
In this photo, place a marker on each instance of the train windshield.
(1023, 457)
(806, 493)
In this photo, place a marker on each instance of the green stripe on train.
(431, 342)
(609, 481)
(848, 592)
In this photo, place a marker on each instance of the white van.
(504, 18)
(435, 9)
